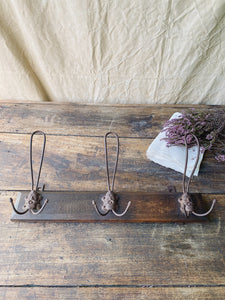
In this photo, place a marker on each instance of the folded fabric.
(173, 157)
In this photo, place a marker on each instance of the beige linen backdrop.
(113, 51)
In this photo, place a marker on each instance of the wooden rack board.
(77, 207)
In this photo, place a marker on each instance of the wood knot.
(186, 205)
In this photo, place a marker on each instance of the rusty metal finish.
(110, 204)
(33, 200)
(110, 199)
(186, 204)
(41, 161)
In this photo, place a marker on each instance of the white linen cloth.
(117, 51)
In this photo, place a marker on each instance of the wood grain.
(62, 254)
(90, 120)
(78, 207)
(117, 293)
(109, 261)
(78, 164)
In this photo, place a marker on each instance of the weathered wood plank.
(90, 120)
(78, 207)
(117, 293)
(105, 255)
(54, 254)
(78, 164)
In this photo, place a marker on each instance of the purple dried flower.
(208, 126)
(209, 136)
(220, 158)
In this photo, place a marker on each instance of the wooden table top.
(103, 261)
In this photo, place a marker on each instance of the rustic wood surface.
(103, 261)
(113, 293)
(78, 207)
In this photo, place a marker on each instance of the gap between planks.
(115, 286)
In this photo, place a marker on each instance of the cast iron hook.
(186, 204)
(110, 199)
(33, 200)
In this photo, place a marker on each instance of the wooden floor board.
(103, 261)
(132, 121)
(114, 293)
(111, 254)
(78, 164)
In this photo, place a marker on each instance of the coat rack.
(108, 206)
(146, 207)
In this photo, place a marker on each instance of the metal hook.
(109, 204)
(186, 204)
(33, 200)
(41, 161)
(110, 198)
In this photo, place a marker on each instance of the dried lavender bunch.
(207, 125)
